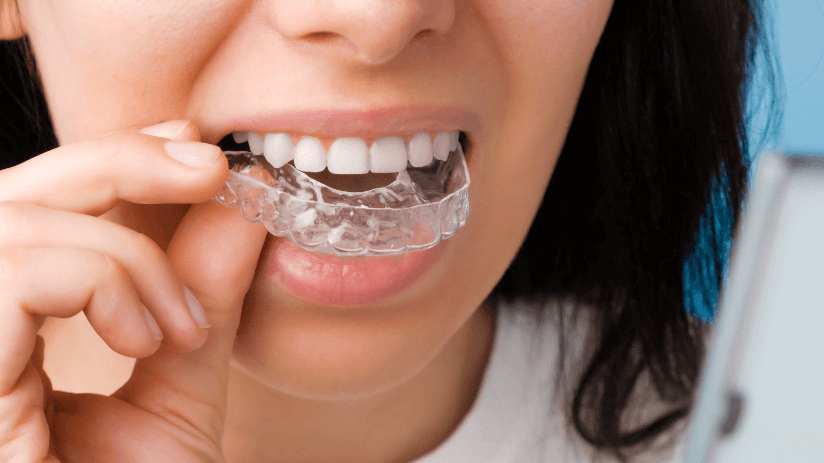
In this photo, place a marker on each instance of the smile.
(351, 155)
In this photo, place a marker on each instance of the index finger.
(89, 177)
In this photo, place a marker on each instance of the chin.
(302, 351)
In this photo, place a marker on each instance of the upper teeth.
(351, 155)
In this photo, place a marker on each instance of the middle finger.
(180, 316)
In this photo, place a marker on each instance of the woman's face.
(508, 73)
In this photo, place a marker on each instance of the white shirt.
(517, 415)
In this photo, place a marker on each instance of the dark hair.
(648, 190)
(25, 124)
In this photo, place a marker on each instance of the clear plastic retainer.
(421, 207)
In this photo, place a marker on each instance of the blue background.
(799, 50)
(790, 119)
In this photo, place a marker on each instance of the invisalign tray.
(422, 206)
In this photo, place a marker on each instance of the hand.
(57, 258)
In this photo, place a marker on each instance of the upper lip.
(372, 123)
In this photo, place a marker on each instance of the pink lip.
(356, 123)
(345, 282)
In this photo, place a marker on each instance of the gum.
(415, 212)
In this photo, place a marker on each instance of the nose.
(369, 31)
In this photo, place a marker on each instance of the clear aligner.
(421, 207)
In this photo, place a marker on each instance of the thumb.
(215, 251)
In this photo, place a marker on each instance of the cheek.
(545, 28)
(544, 43)
(117, 33)
(123, 62)
(545, 49)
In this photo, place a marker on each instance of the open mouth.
(349, 163)
(351, 196)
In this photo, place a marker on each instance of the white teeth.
(453, 140)
(255, 143)
(349, 156)
(440, 146)
(278, 148)
(420, 150)
(310, 155)
(240, 137)
(387, 154)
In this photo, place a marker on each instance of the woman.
(632, 108)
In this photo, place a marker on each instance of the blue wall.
(796, 30)
(800, 52)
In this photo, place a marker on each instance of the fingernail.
(192, 153)
(198, 314)
(153, 326)
(168, 129)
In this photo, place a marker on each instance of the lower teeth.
(422, 206)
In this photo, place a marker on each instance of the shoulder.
(559, 339)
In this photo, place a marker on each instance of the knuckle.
(106, 154)
(110, 267)
(146, 246)
(109, 149)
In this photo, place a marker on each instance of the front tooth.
(453, 140)
(348, 155)
(387, 154)
(310, 155)
(255, 143)
(441, 146)
(420, 150)
(240, 137)
(278, 149)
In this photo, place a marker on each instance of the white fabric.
(517, 416)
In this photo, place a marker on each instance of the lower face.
(516, 67)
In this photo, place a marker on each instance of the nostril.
(326, 38)
(424, 33)
(319, 37)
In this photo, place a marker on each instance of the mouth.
(362, 198)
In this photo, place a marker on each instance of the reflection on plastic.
(422, 206)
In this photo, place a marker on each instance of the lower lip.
(348, 281)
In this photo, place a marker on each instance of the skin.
(398, 375)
